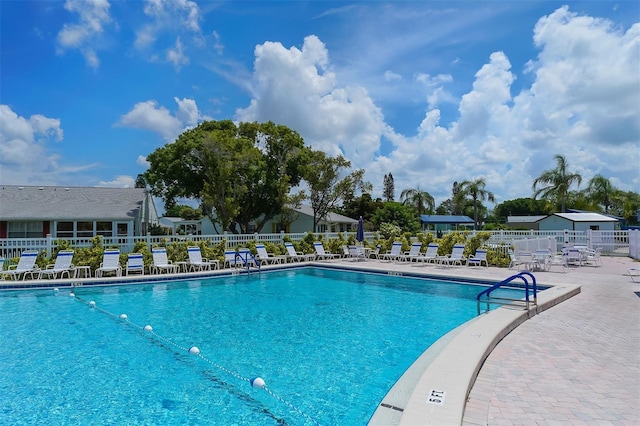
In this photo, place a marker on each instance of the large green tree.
(600, 190)
(240, 174)
(329, 187)
(554, 184)
(521, 207)
(398, 214)
(475, 190)
(421, 200)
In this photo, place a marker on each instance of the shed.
(577, 222)
(524, 222)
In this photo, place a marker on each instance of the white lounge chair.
(574, 256)
(198, 263)
(394, 253)
(26, 266)
(110, 263)
(321, 254)
(161, 263)
(478, 258)
(135, 264)
(455, 258)
(298, 257)
(431, 255)
(376, 253)
(230, 259)
(63, 265)
(412, 254)
(592, 256)
(268, 258)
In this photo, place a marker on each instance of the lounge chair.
(26, 266)
(376, 253)
(61, 266)
(298, 257)
(135, 264)
(478, 258)
(431, 255)
(1, 268)
(412, 254)
(268, 258)
(246, 258)
(455, 258)
(231, 259)
(394, 253)
(198, 263)
(110, 263)
(161, 263)
(321, 254)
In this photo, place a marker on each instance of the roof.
(585, 217)
(525, 219)
(444, 218)
(587, 211)
(331, 217)
(71, 203)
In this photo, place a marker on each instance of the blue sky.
(431, 91)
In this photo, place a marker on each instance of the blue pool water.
(329, 344)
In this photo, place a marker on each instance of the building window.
(104, 228)
(322, 227)
(85, 230)
(24, 229)
(64, 230)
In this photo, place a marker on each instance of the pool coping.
(449, 367)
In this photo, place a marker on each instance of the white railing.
(12, 247)
(611, 242)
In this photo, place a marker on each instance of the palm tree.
(421, 200)
(475, 190)
(600, 190)
(555, 183)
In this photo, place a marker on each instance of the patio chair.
(135, 264)
(526, 259)
(478, 258)
(161, 263)
(412, 254)
(292, 254)
(574, 256)
(321, 254)
(268, 258)
(592, 256)
(557, 260)
(455, 258)
(357, 253)
(394, 253)
(26, 266)
(376, 253)
(198, 263)
(230, 259)
(110, 263)
(61, 266)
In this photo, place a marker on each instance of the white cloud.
(392, 76)
(142, 161)
(93, 15)
(582, 103)
(121, 181)
(175, 16)
(26, 154)
(149, 115)
(333, 119)
(176, 55)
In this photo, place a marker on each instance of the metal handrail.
(514, 302)
(245, 259)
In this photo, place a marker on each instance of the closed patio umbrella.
(360, 231)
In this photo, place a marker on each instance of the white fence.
(634, 244)
(612, 242)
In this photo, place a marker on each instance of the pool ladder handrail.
(244, 256)
(508, 301)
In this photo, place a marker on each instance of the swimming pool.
(328, 343)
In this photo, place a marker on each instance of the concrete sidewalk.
(577, 363)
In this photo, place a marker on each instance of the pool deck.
(576, 362)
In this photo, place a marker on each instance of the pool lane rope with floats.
(256, 382)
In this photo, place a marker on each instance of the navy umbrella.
(360, 232)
